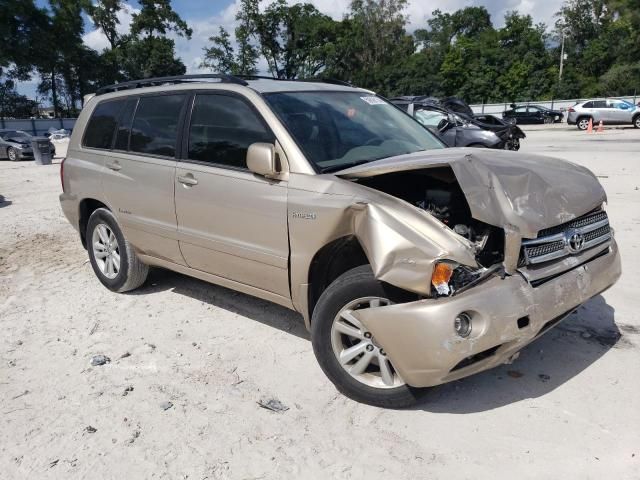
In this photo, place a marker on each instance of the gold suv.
(412, 264)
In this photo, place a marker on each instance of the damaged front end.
(480, 214)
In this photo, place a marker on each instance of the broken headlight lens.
(450, 277)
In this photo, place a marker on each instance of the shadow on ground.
(564, 352)
(251, 307)
(544, 365)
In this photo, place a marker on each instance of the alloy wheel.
(11, 153)
(357, 351)
(583, 124)
(106, 250)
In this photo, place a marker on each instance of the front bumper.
(507, 315)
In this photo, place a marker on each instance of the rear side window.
(102, 125)
(588, 105)
(599, 104)
(124, 125)
(222, 128)
(155, 125)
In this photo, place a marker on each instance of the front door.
(231, 222)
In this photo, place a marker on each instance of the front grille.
(579, 222)
(566, 239)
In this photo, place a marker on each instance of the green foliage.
(156, 18)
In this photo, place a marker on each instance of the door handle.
(187, 180)
(115, 166)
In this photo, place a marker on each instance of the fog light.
(462, 324)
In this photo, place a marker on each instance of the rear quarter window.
(102, 125)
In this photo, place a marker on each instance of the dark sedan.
(532, 114)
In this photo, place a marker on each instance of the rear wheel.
(12, 154)
(583, 123)
(347, 352)
(112, 257)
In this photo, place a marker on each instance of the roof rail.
(320, 80)
(149, 82)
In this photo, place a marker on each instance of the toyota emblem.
(575, 241)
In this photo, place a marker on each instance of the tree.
(104, 14)
(156, 18)
(148, 57)
(371, 42)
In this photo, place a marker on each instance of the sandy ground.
(567, 408)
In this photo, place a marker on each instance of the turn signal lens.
(440, 277)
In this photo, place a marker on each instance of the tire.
(130, 273)
(582, 123)
(12, 154)
(547, 120)
(356, 285)
(636, 121)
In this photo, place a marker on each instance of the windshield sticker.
(373, 100)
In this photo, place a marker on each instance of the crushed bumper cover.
(507, 314)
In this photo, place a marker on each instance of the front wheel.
(112, 257)
(347, 352)
(636, 121)
(12, 154)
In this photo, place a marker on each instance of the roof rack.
(149, 82)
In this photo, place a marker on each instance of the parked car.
(522, 114)
(611, 112)
(412, 264)
(17, 145)
(460, 127)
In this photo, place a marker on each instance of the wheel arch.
(331, 261)
(86, 207)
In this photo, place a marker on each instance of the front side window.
(155, 125)
(337, 130)
(222, 128)
(102, 125)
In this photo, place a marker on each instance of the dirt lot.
(567, 408)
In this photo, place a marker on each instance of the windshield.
(337, 130)
(16, 135)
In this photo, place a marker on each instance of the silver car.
(18, 145)
(611, 112)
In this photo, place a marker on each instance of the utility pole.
(561, 59)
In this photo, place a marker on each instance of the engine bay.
(437, 192)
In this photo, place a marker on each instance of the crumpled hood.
(519, 192)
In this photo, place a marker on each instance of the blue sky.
(205, 17)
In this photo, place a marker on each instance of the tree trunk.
(54, 93)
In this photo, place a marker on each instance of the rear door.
(140, 170)
(231, 222)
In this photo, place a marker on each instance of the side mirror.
(261, 159)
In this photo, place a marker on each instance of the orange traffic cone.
(600, 127)
(590, 127)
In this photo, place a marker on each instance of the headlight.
(451, 277)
